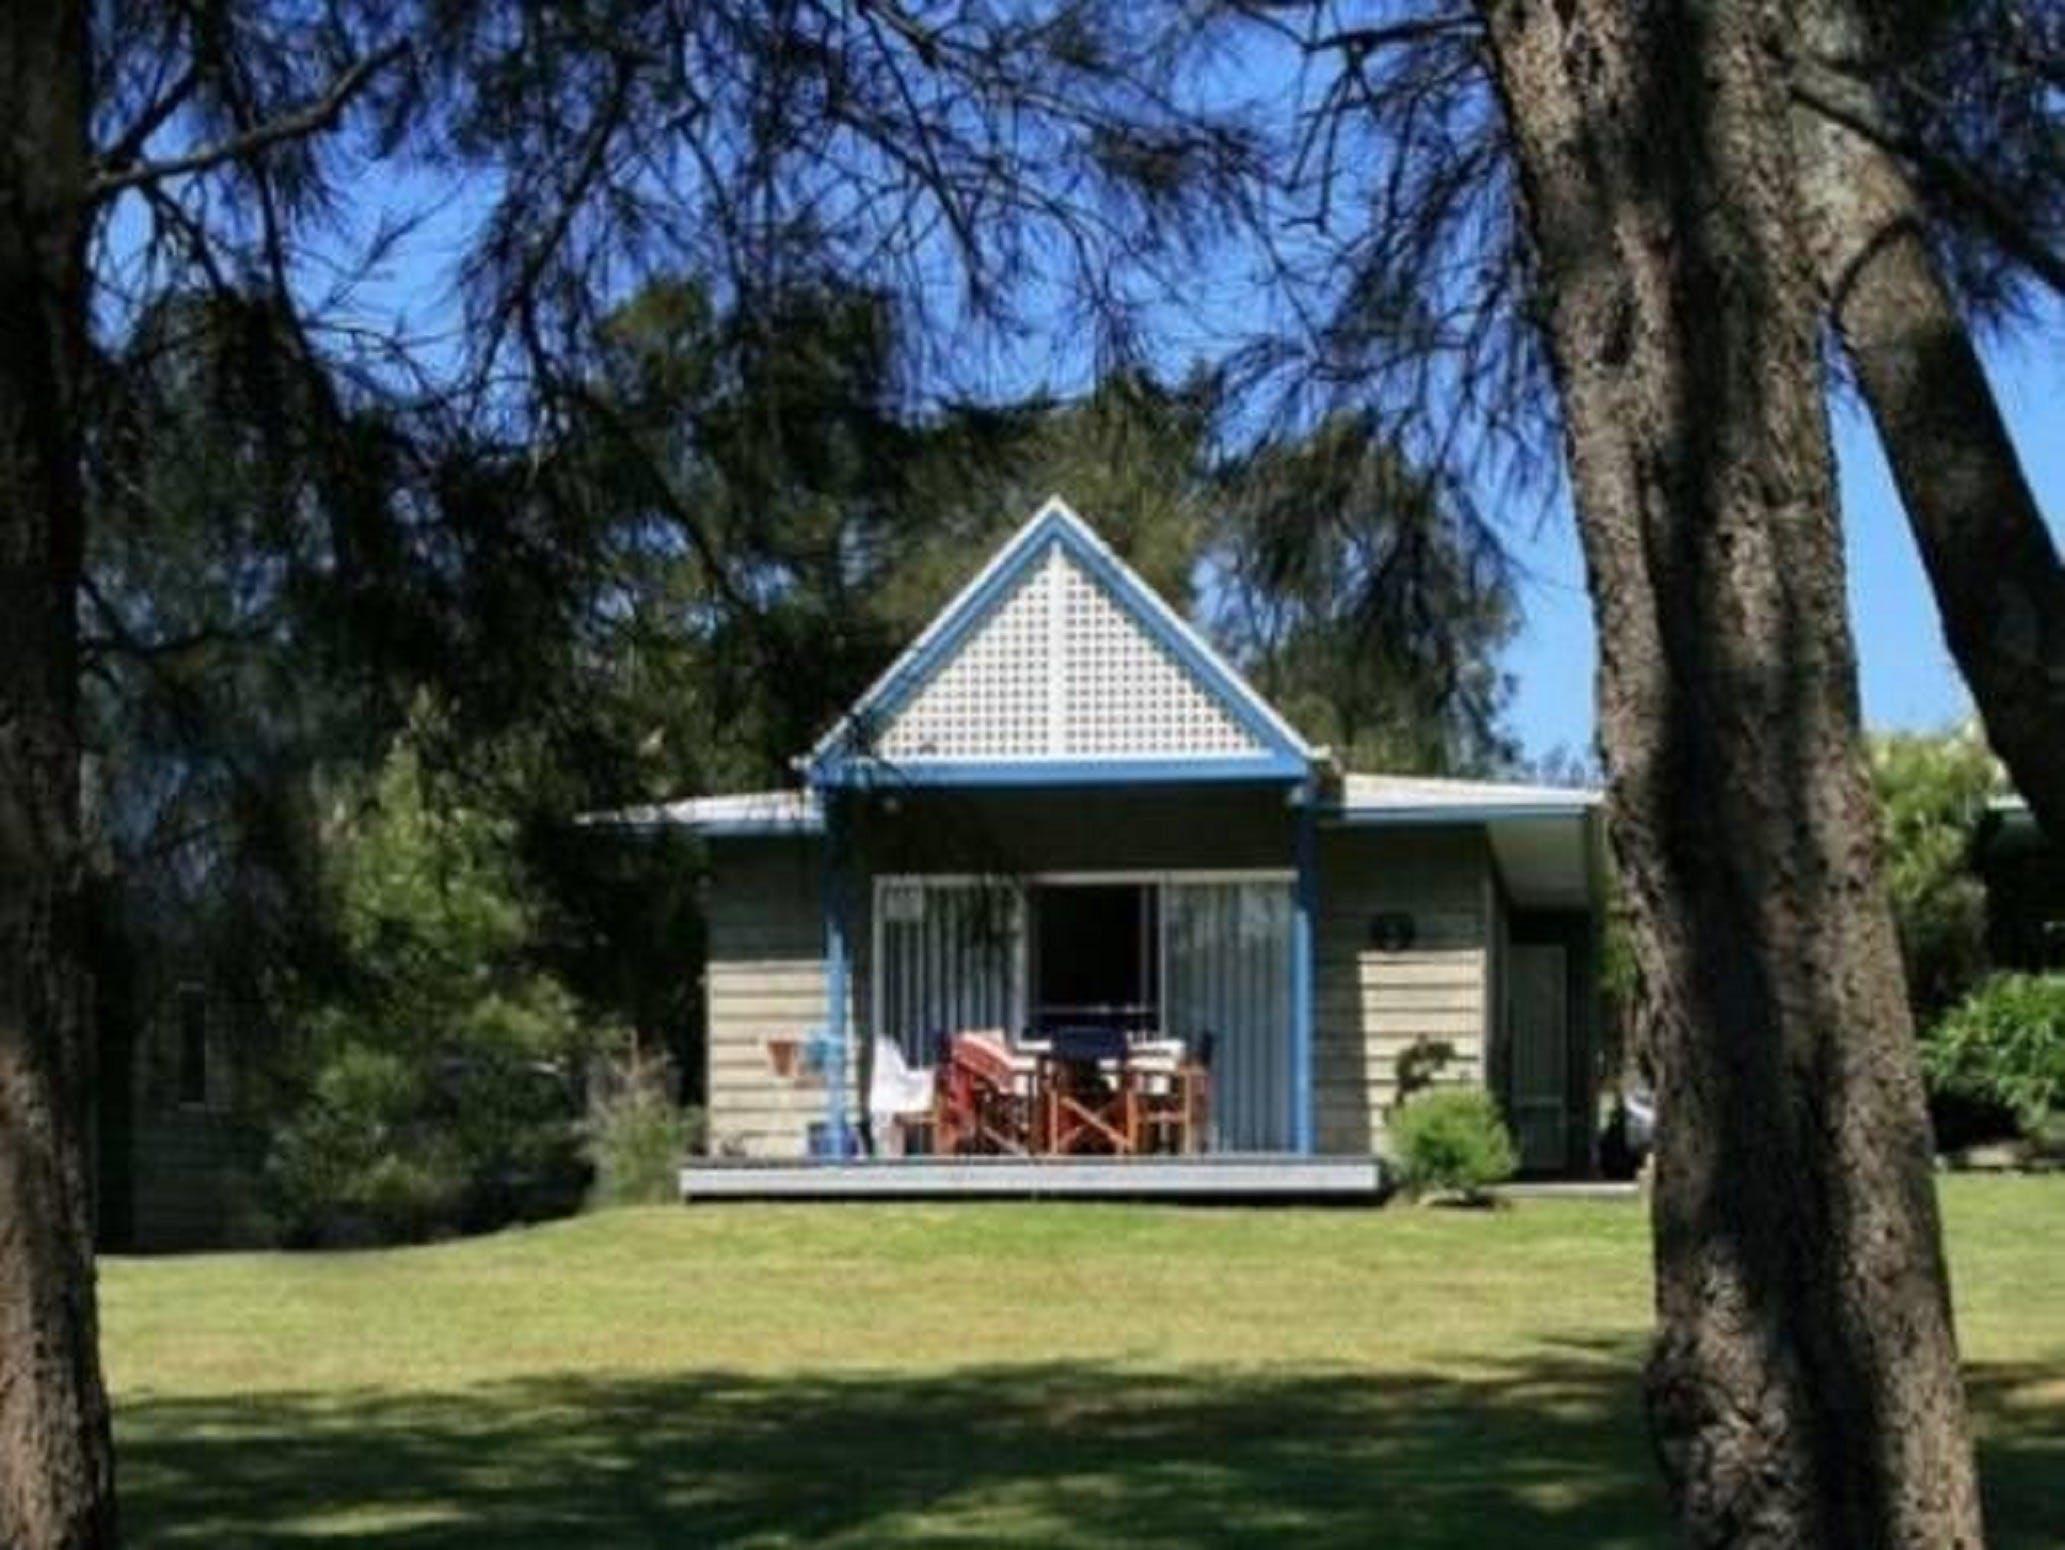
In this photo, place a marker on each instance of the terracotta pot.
(782, 1053)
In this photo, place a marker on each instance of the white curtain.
(949, 955)
(1227, 972)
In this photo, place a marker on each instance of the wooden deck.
(1227, 1178)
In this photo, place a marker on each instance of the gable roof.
(1055, 664)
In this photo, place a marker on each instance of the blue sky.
(1909, 680)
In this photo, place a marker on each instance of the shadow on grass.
(1543, 1454)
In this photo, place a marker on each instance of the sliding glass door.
(1204, 960)
(949, 957)
(1227, 976)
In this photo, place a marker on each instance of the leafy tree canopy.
(1933, 789)
(1369, 599)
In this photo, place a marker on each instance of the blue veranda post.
(1305, 911)
(838, 1130)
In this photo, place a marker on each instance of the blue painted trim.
(874, 774)
(1304, 947)
(930, 657)
(1089, 772)
(884, 775)
(836, 977)
(1056, 527)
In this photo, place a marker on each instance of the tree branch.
(2005, 223)
(923, 41)
(123, 640)
(312, 118)
(1364, 40)
(130, 145)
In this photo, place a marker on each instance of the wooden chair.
(1089, 1097)
(985, 1099)
(1174, 1107)
(954, 1100)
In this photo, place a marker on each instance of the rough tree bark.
(1804, 1388)
(56, 1461)
(1991, 560)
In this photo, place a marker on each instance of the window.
(193, 1045)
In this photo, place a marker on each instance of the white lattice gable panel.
(991, 701)
(1061, 670)
(1126, 694)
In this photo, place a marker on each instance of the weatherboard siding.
(1371, 1006)
(766, 971)
(764, 980)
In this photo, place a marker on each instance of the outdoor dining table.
(1087, 1091)
(1078, 1089)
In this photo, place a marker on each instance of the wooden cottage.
(1061, 814)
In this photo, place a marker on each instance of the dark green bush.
(347, 1167)
(1450, 1141)
(2003, 1044)
(385, 1148)
(436, 1090)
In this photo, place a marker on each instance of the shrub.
(1451, 1142)
(2003, 1044)
(345, 1168)
(1932, 791)
(636, 1140)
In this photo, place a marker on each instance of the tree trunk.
(1991, 560)
(1804, 1388)
(56, 1462)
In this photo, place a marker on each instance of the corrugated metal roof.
(1367, 798)
(749, 812)
(1373, 797)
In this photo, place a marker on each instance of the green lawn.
(965, 1375)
